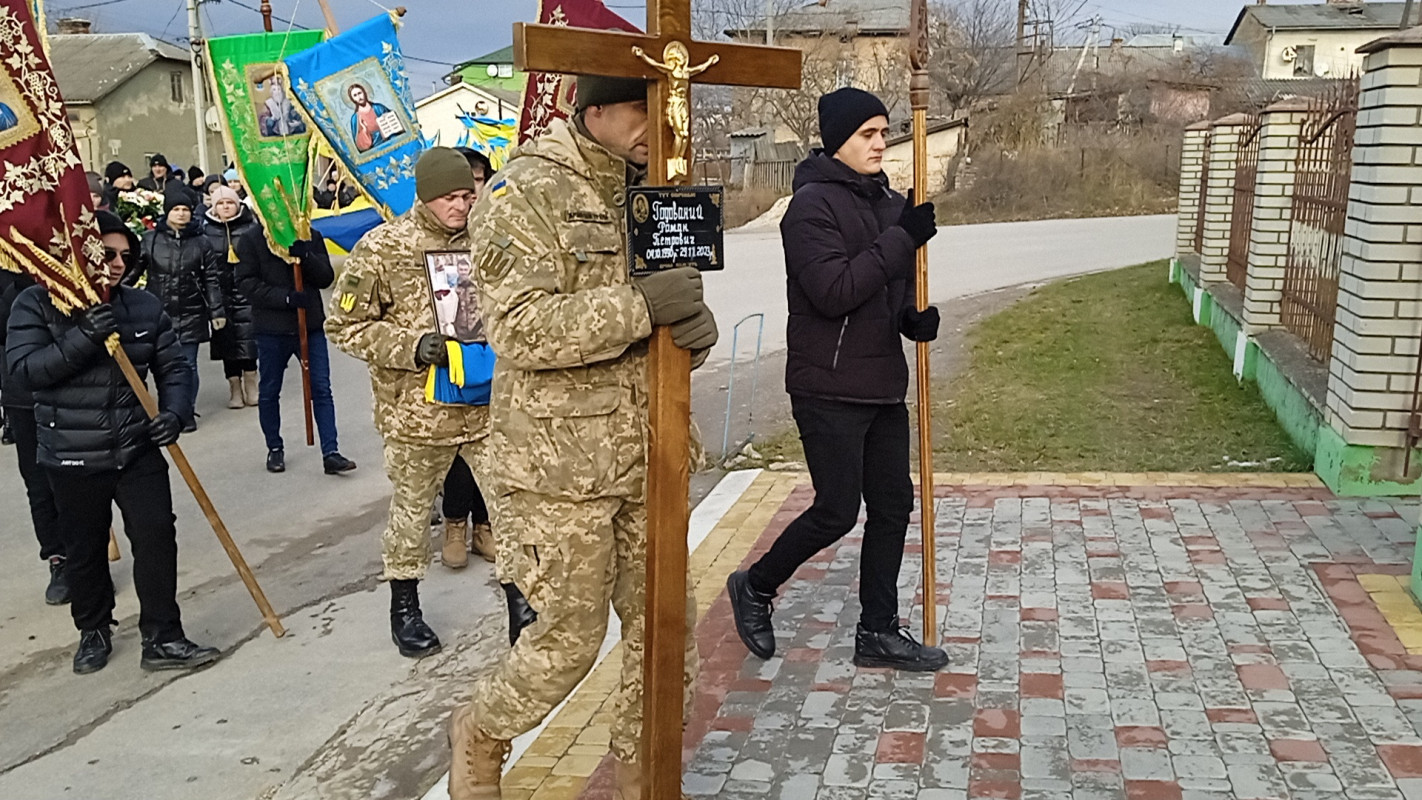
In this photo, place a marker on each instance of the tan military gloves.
(674, 297)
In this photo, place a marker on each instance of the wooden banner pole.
(180, 460)
(918, 101)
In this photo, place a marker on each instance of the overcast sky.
(445, 32)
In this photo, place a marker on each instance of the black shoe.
(521, 614)
(407, 625)
(276, 461)
(57, 593)
(896, 649)
(336, 463)
(7, 436)
(752, 612)
(178, 653)
(190, 426)
(94, 649)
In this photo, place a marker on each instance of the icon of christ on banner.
(371, 123)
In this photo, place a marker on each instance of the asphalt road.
(315, 714)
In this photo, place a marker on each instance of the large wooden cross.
(669, 58)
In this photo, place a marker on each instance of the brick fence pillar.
(1273, 212)
(1192, 162)
(1219, 196)
(1379, 316)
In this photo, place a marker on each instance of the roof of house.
(507, 97)
(868, 17)
(1332, 16)
(90, 65)
(1191, 41)
(504, 55)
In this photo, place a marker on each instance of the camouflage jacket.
(380, 308)
(568, 415)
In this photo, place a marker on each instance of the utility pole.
(1021, 40)
(1406, 16)
(770, 23)
(1085, 48)
(195, 42)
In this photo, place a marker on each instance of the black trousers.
(43, 512)
(145, 499)
(234, 367)
(462, 497)
(853, 450)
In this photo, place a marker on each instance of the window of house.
(1303, 61)
(175, 85)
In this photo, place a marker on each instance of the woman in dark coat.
(182, 269)
(235, 345)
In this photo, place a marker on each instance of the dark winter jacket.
(151, 183)
(237, 340)
(182, 270)
(848, 267)
(13, 393)
(88, 418)
(269, 281)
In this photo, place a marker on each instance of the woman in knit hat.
(234, 345)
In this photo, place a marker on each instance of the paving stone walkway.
(1123, 638)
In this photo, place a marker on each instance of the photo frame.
(454, 296)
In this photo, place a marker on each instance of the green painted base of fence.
(1355, 470)
(1297, 415)
(1417, 568)
(1226, 328)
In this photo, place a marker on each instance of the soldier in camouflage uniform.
(569, 420)
(381, 313)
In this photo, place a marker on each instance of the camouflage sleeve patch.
(356, 288)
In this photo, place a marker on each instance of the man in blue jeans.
(270, 281)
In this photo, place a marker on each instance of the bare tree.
(974, 47)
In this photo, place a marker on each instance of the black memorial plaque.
(675, 226)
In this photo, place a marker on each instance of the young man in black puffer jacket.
(99, 447)
(850, 242)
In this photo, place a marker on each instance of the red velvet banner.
(549, 95)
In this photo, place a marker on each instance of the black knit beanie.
(178, 195)
(842, 112)
(116, 170)
(158, 160)
(598, 90)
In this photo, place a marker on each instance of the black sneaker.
(751, 610)
(176, 654)
(336, 463)
(7, 436)
(190, 426)
(276, 461)
(57, 593)
(896, 649)
(93, 652)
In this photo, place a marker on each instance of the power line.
(65, 9)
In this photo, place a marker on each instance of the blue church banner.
(354, 88)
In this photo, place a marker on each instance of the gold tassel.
(231, 254)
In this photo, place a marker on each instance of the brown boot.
(455, 553)
(235, 385)
(249, 388)
(484, 541)
(478, 759)
(629, 782)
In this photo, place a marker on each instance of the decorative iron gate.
(1246, 171)
(1320, 210)
(1204, 194)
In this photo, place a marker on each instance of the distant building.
(492, 71)
(446, 116)
(128, 96)
(1308, 41)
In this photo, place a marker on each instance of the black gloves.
(431, 352)
(672, 295)
(697, 332)
(164, 428)
(299, 249)
(307, 300)
(919, 326)
(919, 223)
(97, 323)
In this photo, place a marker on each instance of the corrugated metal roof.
(829, 16)
(1354, 16)
(90, 65)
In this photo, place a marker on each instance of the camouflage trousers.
(417, 471)
(575, 558)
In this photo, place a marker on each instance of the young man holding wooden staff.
(850, 244)
(100, 447)
(569, 421)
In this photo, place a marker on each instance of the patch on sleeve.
(499, 189)
(496, 261)
(355, 289)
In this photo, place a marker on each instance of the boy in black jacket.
(269, 281)
(100, 447)
(850, 242)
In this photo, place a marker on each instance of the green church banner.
(266, 133)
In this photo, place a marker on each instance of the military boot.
(484, 541)
(455, 553)
(477, 760)
(407, 625)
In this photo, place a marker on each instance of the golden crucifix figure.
(676, 64)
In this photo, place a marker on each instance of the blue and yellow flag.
(354, 88)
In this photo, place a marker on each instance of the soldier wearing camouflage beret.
(569, 420)
(381, 313)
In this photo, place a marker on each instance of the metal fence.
(1246, 171)
(1320, 211)
(1204, 195)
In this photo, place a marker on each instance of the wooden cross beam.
(669, 58)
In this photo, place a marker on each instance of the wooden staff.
(304, 339)
(918, 101)
(200, 494)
